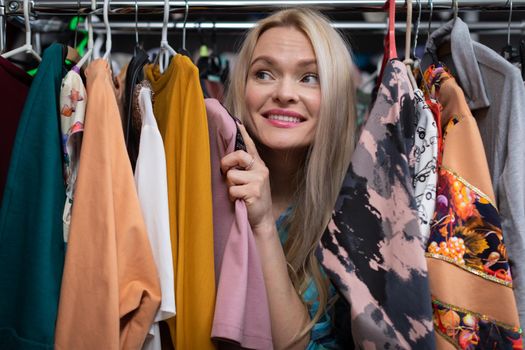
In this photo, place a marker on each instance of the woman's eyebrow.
(307, 62)
(264, 59)
(268, 60)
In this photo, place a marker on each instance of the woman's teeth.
(284, 118)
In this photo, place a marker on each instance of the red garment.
(14, 84)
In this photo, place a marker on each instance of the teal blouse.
(31, 232)
(322, 335)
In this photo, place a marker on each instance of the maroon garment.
(14, 85)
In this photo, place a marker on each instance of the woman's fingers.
(242, 177)
(237, 159)
(248, 192)
(250, 145)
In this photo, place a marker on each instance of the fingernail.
(237, 120)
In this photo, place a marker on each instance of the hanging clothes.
(242, 313)
(31, 241)
(132, 126)
(495, 93)
(152, 189)
(73, 99)
(468, 267)
(373, 250)
(110, 287)
(181, 116)
(424, 155)
(14, 84)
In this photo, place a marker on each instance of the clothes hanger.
(446, 48)
(391, 44)
(408, 61)
(166, 50)
(390, 39)
(88, 55)
(134, 75)
(508, 52)
(27, 47)
(431, 5)
(522, 50)
(108, 31)
(416, 35)
(408, 34)
(183, 50)
(137, 43)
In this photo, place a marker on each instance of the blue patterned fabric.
(322, 334)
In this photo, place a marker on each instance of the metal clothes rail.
(126, 6)
(155, 27)
(72, 7)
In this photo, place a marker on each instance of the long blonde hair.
(328, 156)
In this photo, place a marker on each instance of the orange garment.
(110, 287)
(181, 115)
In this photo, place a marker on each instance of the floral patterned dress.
(73, 101)
(469, 271)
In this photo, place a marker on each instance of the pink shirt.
(241, 309)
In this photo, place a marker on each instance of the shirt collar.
(464, 60)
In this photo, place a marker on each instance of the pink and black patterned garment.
(373, 250)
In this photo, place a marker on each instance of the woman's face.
(283, 94)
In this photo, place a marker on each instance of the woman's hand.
(248, 179)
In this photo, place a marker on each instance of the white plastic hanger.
(89, 52)
(27, 47)
(108, 30)
(165, 49)
(416, 35)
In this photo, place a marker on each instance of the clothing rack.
(73, 7)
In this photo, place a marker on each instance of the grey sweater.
(496, 96)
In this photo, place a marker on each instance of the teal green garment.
(31, 238)
(322, 334)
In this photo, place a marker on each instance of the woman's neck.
(284, 167)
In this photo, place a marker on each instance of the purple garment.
(372, 249)
(242, 313)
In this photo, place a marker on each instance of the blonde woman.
(292, 87)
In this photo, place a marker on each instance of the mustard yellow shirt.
(181, 116)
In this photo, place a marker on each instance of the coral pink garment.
(110, 287)
(241, 309)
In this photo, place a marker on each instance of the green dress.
(31, 241)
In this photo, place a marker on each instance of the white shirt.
(425, 169)
(152, 189)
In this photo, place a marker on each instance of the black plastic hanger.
(508, 52)
(183, 49)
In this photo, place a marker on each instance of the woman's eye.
(262, 75)
(310, 78)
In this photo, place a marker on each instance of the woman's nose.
(285, 91)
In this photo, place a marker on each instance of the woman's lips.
(283, 118)
(283, 124)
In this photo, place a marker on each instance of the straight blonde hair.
(329, 155)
